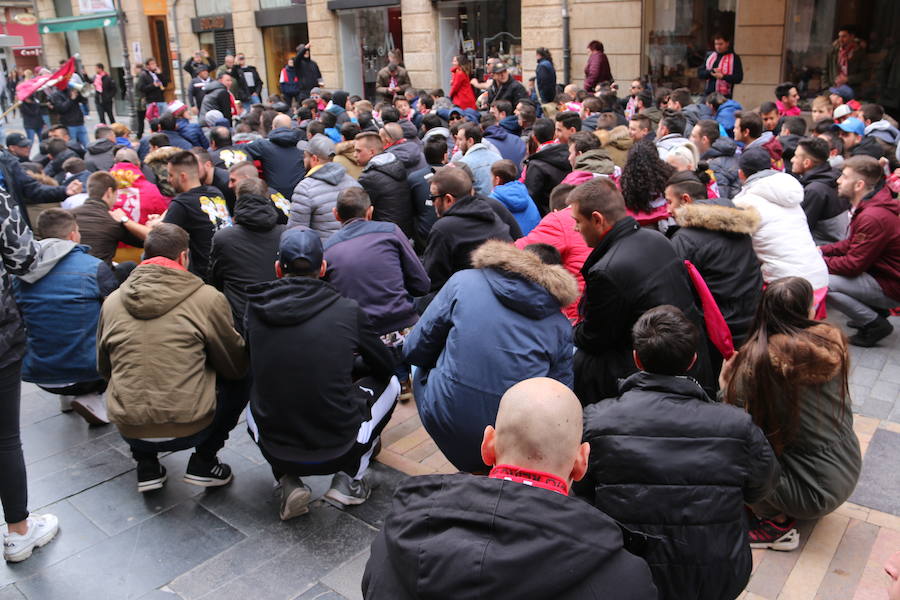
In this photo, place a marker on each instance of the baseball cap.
(300, 244)
(842, 111)
(844, 91)
(321, 146)
(17, 139)
(754, 160)
(202, 67)
(499, 67)
(852, 125)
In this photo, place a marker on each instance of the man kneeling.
(162, 339)
(516, 533)
(307, 414)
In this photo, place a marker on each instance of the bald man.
(515, 533)
(409, 151)
(282, 161)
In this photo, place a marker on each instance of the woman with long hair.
(791, 376)
(461, 93)
(545, 76)
(597, 68)
(644, 184)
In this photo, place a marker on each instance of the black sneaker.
(151, 475)
(207, 474)
(766, 533)
(872, 333)
(346, 491)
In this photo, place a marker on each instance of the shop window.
(212, 7)
(810, 35)
(367, 35)
(264, 4)
(481, 30)
(680, 34)
(280, 44)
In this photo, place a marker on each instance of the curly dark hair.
(644, 177)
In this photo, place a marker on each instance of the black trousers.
(13, 481)
(105, 108)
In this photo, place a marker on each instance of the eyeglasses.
(433, 197)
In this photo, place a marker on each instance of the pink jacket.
(558, 230)
(137, 197)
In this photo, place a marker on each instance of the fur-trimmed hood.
(502, 256)
(161, 154)
(43, 178)
(805, 362)
(718, 218)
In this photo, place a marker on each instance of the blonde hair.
(684, 157)
(120, 129)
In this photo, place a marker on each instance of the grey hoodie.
(52, 250)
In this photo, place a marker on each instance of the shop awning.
(349, 4)
(91, 21)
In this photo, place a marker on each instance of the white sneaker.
(65, 403)
(41, 529)
(91, 408)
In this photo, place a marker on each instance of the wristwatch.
(124, 220)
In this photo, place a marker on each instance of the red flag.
(60, 79)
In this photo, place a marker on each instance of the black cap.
(17, 139)
(755, 160)
(296, 244)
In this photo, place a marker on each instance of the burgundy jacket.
(596, 70)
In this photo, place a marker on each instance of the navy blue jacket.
(192, 133)
(282, 162)
(545, 81)
(373, 263)
(23, 188)
(510, 146)
(60, 301)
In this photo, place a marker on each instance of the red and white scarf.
(536, 479)
(726, 65)
(845, 53)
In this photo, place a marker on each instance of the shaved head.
(393, 131)
(281, 120)
(539, 427)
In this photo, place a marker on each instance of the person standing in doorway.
(460, 89)
(722, 68)
(307, 72)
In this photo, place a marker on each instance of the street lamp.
(126, 64)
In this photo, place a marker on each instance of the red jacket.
(461, 90)
(873, 245)
(558, 230)
(137, 197)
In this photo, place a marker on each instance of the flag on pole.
(59, 78)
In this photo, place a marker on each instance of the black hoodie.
(201, 212)
(245, 254)
(302, 335)
(820, 197)
(544, 170)
(100, 155)
(466, 225)
(282, 161)
(384, 178)
(467, 537)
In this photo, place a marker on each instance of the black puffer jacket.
(216, 97)
(19, 256)
(716, 239)
(384, 178)
(246, 253)
(633, 270)
(667, 461)
(25, 189)
(822, 204)
(722, 160)
(466, 537)
(466, 225)
(544, 170)
(282, 162)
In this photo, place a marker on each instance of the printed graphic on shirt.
(232, 157)
(216, 210)
(130, 202)
(281, 203)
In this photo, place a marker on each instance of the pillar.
(759, 40)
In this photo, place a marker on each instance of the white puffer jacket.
(782, 243)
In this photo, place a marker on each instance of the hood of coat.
(212, 86)
(101, 146)
(347, 149)
(823, 174)
(255, 212)
(723, 146)
(597, 160)
(880, 198)
(449, 520)
(331, 173)
(556, 155)
(514, 195)
(52, 250)
(776, 187)
(408, 152)
(883, 130)
(718, 218)
(153, 290)
(619, 138)
(285, 137)
(126, 174)
(498, 133)
(290, 300)
(512, 268)
(807, 362)
(161, 154)
(511, 124)
(389, 164)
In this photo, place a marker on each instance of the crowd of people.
(616, 301)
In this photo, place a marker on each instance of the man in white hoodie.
(783, 242)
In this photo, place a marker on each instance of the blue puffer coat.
(514, 195)
(487, 329)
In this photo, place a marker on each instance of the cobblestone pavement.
(184, 542)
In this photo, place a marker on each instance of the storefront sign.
(28, 52)
(25, 19)
(155, 8)
(211, 23)
(94, 6)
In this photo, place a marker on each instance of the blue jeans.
(33, 133)
(79, 134)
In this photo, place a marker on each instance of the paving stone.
(78, 477)
(879, 486)
(116, 505)
(161, 595)
(10, 592)
(37, 406)
(384, 481)
(138, 560)
(58, 434)
(76, 532)
(873, 358)
(849, 561)
(880, 409)
(317, 592)
(890, 373)
(346, 578)
(864, 376)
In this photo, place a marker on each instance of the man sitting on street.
(482, 529)
(60, 302)
(169, 403)
(827, 214)
(299, 328)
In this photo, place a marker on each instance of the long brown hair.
(773, 400)
(464, 65)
